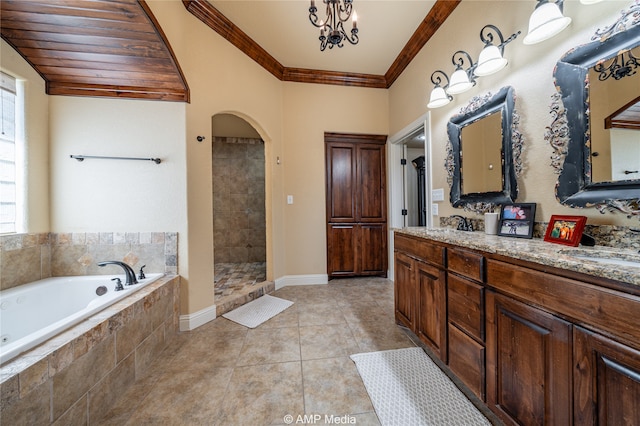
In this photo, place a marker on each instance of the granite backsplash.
(605, 235)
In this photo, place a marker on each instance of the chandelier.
(331, 29)
(619, 68)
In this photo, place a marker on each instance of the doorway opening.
(239, 216)
(410, 179)
(414, 179)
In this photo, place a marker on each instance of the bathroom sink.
(608, 258)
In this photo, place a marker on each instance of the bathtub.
(33, 313)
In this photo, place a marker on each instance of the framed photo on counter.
(565, 230)
(516, 220)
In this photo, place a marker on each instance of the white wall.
(117, 195)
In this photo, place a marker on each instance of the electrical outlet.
(437, 194)
(434, 210)
(289, 199)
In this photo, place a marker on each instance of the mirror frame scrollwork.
(569, 133)
(512, 143)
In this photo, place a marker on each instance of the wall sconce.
(546, 21)
(438, 96)
(460, 79)
(491, 60)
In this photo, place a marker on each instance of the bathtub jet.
(128, 270)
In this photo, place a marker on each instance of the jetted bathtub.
(33, 313)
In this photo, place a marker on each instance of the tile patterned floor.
(296, 363)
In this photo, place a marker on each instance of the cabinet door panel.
(373, 249)
(431, 321)
(371, 204)
(466, 360)
(606, 381)
(404, 290)
(341, 182)
(528, 363)
(341, 249)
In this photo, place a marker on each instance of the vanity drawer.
(466, 263)
(420, 249)
(465, 300)
(466, 360)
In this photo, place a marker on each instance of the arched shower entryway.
(239, 214)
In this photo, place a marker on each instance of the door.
(431, 321)
(356, 205)
(528, 364)
(405, 291)
(607, 381)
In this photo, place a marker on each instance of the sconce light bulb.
(438, 98)
(459, 82)
(490, 61)
(546, 21)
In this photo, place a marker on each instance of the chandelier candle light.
(331, 29)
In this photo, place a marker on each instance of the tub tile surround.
(75, 377)
(26, 258)
(538, 251)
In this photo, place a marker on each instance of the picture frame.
(517, 220)
(565, 230)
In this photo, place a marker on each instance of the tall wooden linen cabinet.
(356, 202)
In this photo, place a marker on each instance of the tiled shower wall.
(238, 200)
(30, 257)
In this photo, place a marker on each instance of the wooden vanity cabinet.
(528, 363)
(606, 381)
(420, 291)
(539, 345)
(466, 318)
(431, 319)
(405, 293)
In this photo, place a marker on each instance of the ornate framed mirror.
(483, 153)
(594, 134)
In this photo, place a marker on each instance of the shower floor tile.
(238, 283)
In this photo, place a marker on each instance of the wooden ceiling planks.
(116, 48)
(95, 48)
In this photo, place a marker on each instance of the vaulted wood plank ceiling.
(115, 48)
(112, 48)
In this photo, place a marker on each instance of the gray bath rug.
(258, 311)
(407, 388)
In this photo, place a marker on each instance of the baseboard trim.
(301, 280)
(192, 321)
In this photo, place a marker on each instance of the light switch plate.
(289, 199)
(437, 194)
(434, 210)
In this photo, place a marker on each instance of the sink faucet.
(463, 225)
(128, 270)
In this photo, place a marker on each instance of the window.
(9, 157)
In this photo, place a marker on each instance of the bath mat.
(258, 311)
(407, 388)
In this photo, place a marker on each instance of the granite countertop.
(599, 261)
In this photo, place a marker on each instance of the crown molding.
(215, 20)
